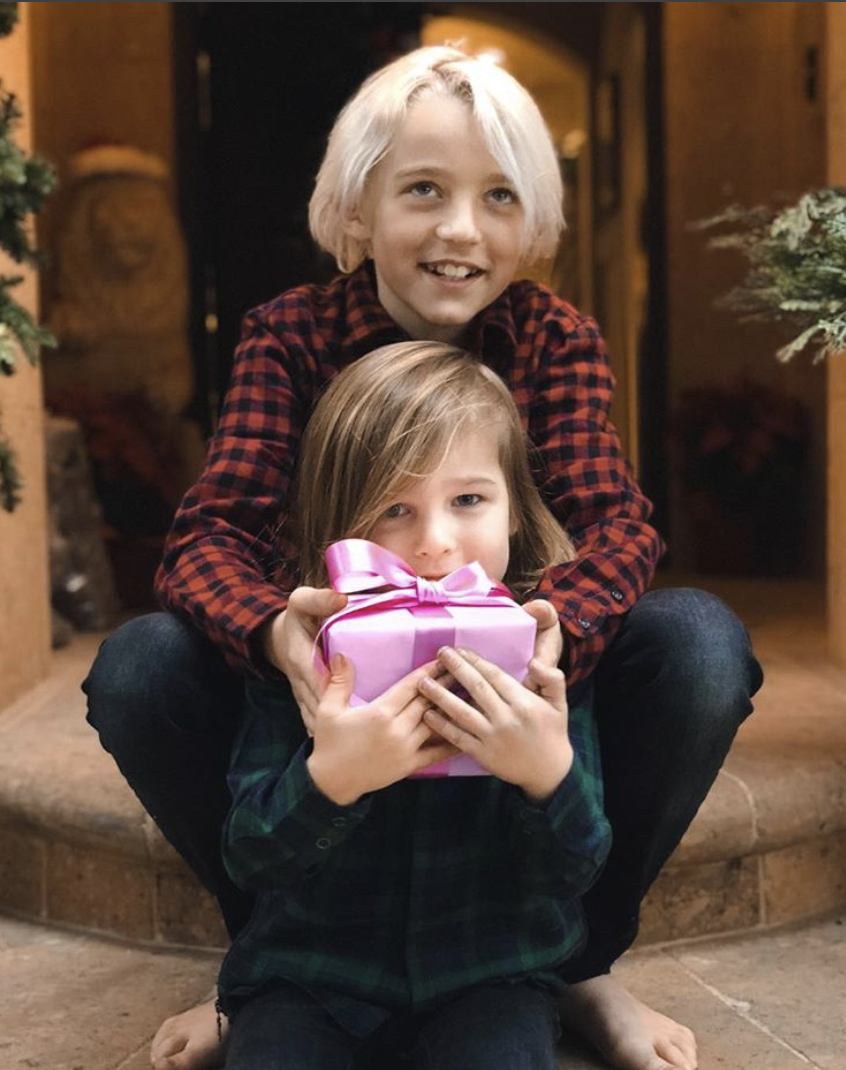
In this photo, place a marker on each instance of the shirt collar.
(493, 335)
(367, 324)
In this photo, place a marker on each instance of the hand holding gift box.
(395, 621)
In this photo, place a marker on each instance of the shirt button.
(323, 843)
(339, 822)
(583, 623)
(617, 595)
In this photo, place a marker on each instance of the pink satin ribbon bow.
(357, 565)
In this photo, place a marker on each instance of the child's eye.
(465, 500)
(503, 195)
(423, 189)
(398, 509)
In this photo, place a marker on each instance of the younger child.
(424, 917)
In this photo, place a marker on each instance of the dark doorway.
(258, 87)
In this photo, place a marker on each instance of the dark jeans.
(670, 694)
(506, 1027)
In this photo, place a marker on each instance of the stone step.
(768, 846)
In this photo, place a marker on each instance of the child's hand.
(549, 642)
(289, 643)
(518, 732)
(363, 748)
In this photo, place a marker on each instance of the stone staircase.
(768, 846)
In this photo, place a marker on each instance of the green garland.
(24, 183)
(8, 18)
(797, 268)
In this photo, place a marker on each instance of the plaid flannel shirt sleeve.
(589, 486)
(560, 848)
(280, 827)
(222, 546)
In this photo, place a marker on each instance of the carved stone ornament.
(119, 306)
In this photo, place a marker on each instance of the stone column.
(24, 575)
(836, 130)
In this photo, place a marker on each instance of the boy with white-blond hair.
(439, 181)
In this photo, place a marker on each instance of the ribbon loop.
(356, 565)
(358, 568)
(432, 592)
(359, 565)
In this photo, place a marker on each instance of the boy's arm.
(589, 486)
(223, 544)
(280, 828)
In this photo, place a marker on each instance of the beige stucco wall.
(24, 582)
(836, 70)
(739, 128)
(620, 258)
(100, 72)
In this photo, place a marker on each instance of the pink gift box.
(403, 625)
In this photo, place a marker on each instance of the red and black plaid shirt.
(221, 560)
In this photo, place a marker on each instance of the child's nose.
(459, 223)
(434, 540)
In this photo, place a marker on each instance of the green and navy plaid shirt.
(414, 892)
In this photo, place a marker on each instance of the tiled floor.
(771, 1001)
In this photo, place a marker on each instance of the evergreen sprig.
(797, 268)
(8, 18)
(24, 183)
(10, 477)
(17, 325)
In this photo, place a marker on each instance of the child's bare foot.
(630, 1035)
(190, 1041)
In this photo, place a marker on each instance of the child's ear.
(356, 225)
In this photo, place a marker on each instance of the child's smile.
(453, 271)
(444, 225)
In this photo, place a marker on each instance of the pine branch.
(797, 268)
(10, 477)
(24, 183)
(8, 18)
(18, 325)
